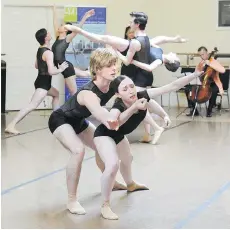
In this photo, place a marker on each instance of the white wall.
(196, 20)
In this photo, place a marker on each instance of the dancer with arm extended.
(63, 39)
(104, 139)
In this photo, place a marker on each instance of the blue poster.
(80, 49)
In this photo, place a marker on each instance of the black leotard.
(129, 126)
(59, 48)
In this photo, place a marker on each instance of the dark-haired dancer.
(43, 87)
(131, 108)
(138, 48)
(63, 39)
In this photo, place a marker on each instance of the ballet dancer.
(63, 39)
(44, 64)
(131, 108)
(157, 57)
(69, 125)
(141, 79)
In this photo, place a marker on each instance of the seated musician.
(216, 84)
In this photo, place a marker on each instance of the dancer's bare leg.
(71, 84)
(108, 152)
(69, 139)
(38, 96)
(157, 129)
(53, 92)
(124, 151)
(155, 108)
(87, 138)
(116, 42)
(148, 123)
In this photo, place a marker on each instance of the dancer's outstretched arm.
(175, 85)
(87, 15)
(164, 39)
(55, 21)
(116, 42)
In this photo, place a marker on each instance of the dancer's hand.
(113, 124)
(141, 104)
(179, 39)
(63, 66)
(89, 13)
(167, 122)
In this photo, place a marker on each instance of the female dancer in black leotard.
(63, 39)
(131, 114)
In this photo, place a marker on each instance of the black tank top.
(59, 47)
(42, 66)
(143, 77)
(73, 109)
(129, 70)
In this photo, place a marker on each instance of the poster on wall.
(80, 49)
(224, 13)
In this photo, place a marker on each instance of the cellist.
(216, 85)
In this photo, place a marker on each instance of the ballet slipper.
(107, 213)
(157, 136)
(12, 130)
(136, 187)
(118, 186)
(75, 208)
(146, 139)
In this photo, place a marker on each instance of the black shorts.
(58, 118)
(68, 72)
(101, 130)
(43, 82)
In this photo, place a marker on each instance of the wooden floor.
(188, 174)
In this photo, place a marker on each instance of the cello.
(202, 93)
